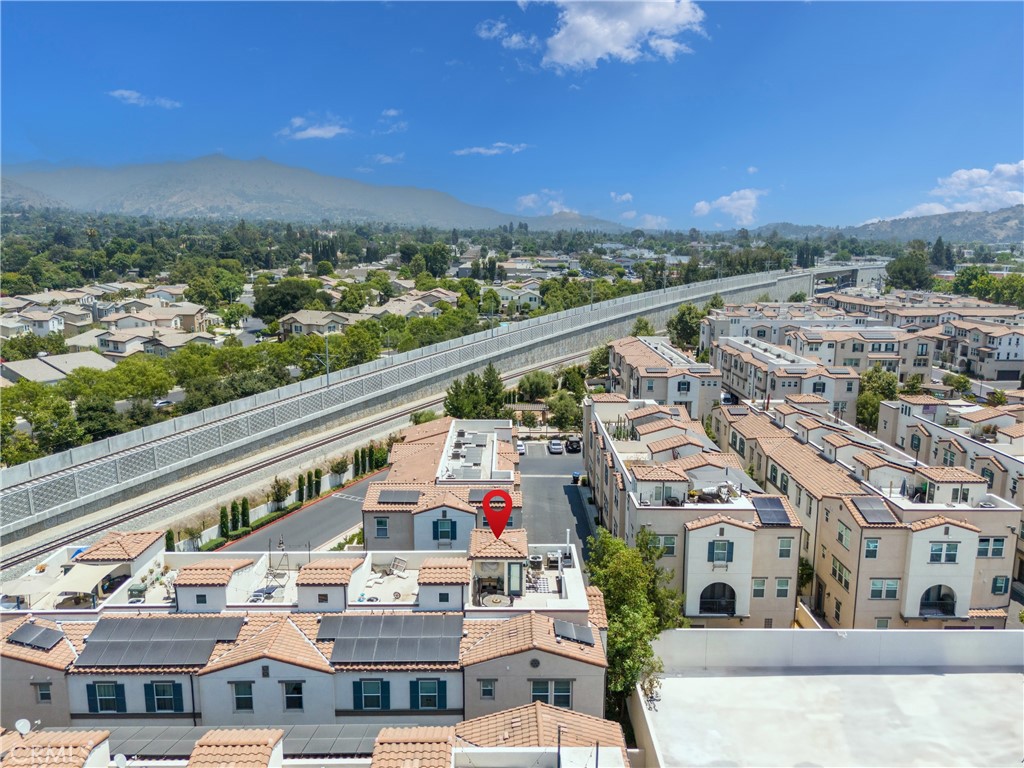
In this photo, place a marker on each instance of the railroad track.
(67, 539)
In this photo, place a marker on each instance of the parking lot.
(551, 503)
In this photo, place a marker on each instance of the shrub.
(279, 490)
(169, 541)
(239, 533)
(225, 528)
(422, 417)
(309, 485)
(245, 511)
(213, 544)
(236, 515)
(340, 465)
(301, 485)
(318, 479)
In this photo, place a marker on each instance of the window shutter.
(179, 699)
(357, 694)
(150, 697)
(454, 536)
(122, 706)
(711, 551)
(414, 694)
(434, 526)
(442, 694)
(728, 553)
(90, 692)
(385, 695)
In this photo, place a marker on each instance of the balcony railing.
(722, 605)
(938, 608)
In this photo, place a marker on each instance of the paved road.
(979, 388)
(314, 525)
(550, 502)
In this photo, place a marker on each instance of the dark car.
(573, 445)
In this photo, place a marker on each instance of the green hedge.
(237, 534)
(259, 522)
(213, 544)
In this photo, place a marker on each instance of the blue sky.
(657, 114)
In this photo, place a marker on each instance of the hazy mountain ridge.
(218, 186)
(1003, 226)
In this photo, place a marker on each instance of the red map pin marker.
(497, 518)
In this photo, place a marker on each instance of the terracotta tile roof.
(427, 431)
(794, 520)
(806, 467)
(235, 747)
(757, 425)
(444, 570)
(431, 497)
(982, 414)
(327, 572)
(952, 441)
(806, 399)
(1014, 430)
(676, 441)
(934, 522)
(420, 747)
(609, 397)
(649, 410)
(660, 425)
(920, 399)
(537, 725)
(836, 440)
(991, 459)
(59, 657)
(213, 572)
(708, 459)
(511, 546)
(718, 519)
(117, 546)
(70, 749)
(872, 460)
(658, 472)
(950, 475)
(598, 614)
(987, 613)
(858, 518)
(415, 462)
(786, 409)
(531, 632)
(281, 640)
(619, 482)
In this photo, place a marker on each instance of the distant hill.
(1003, 226)
(218, 186)
(16, 195)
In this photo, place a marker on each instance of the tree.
(98, 417)
(279, 490)
(236, 515)
(203, 290)
(913, 385)
(318, 478)
(233, 314)
(666, 601)
(301, 485)
(169, 541)
(642, 327)
(958, 382)
(867, 410)
(997, 397)
(245, 511)
(54, 426)
(684, 327)
(324, 268)
(715, 302)
(290, 295)
(422, 417)
(565, 412)
(879, 381)
(910, 272)
(225, 524)
(309, 485)
(28, 345)
(16, 447)
(797, 297)
(535, 385)
(598, 362)
(142, 377)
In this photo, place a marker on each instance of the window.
(427, 694)
(853, 362)
(773, 473)
(371, 694)
(838, 612)
(844, 534)
(785, 547)
(857, 347)
(849, 386)
(241, 692)
(667, 542)
(885, 589)
(1000, 585)
(989, 475)
(841, 574)
(881, 623)
(915, 442)
(487, 689)
(200, 599)
(556, 692)
(293, 695)
(43, 693)
(106, 697)
(720, 551)
(943, 552)
(650, 385)
(682, 386)
(321, 597)
(382, 527)
(443, 597)
(818, 388)
(870, 549)
(768, 623)
(782, 587)
(960, 494)
(948, 458)
(163, 697)
(991, 547)
(759, 585)
(922, 349)
(784, 483)
(444, 530)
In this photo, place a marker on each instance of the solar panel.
(575, 632)
(874, 510)
(770, 510)
(35, 636)
(657, 370)
(392, 496)
(738, 411)
(384, 639)
(174, 641)
(476, 495)
(877, 335)
(838, 369)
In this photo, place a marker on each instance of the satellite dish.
(23, 726)
(120, 760)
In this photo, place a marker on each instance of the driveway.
(551, 503)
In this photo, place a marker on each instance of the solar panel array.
(874, 510)
(392, 638)
(740, 411)
(837, 369)
(173, 642)
(391, 496)
(770, 510)
(34, 636)
(657, 370)
(878, 335)
(576, 632)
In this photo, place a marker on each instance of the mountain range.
(221, 187)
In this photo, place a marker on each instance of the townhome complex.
(652, 369)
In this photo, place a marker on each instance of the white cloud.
(741, 205)
(495, 29)
(300, 128)
(137, 99)
(490, 29)
(390, 113)
(628, 215)
(390, 123)
(974, 189)
(628, 31)
(650, 221)
(752, 169)
(518, 41)
(389, 159)
(625, 197)
(497, 148)
(547, 200)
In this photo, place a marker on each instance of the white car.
(555, 446)
(520, 448)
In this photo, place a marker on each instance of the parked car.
(162, 404)
(573, 445)
(520, 448)
(555, 446)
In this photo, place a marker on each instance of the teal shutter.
(442, 694)
(435, 526)
(150, 697)
(94, 702)
(454, 536)
(357, 694)
(711, 551)
(179, 699)
(728, 553)
(414, 694)
(122, 705)
(385, 695)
